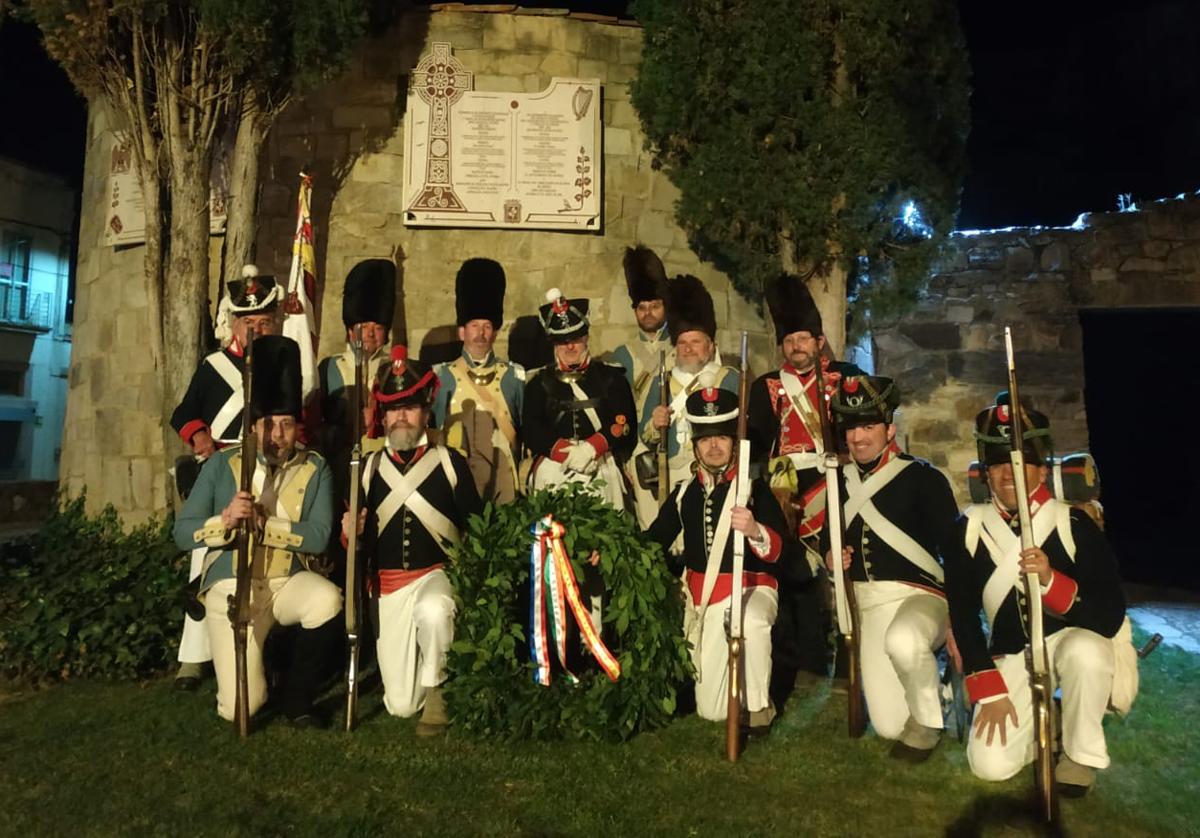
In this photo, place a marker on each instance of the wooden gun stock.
(664, 463)
(239, 603)
(352, 611)
(741, 487)
(846, 602)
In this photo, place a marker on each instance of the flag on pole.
(299, 324)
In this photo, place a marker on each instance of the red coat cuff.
(558, 452)
(191, 429)
(1061, 594)
(985, 684)
(600, 442)
(774, 545)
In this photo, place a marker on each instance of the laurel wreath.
(490, 691)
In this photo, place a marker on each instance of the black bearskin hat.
(277, 387)
(644, 275)
(370, 293)
(689, 308)
(792, 307)
(479, 292)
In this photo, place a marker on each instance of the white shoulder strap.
(448, 467)
(1063, 525)
(974, 526)
(369, 471)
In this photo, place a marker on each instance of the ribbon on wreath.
(552, 581)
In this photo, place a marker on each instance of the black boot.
(312, 652)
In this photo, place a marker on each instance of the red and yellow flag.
(299, 322)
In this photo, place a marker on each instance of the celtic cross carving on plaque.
(440, 80)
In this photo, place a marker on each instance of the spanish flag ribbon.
(552, 581)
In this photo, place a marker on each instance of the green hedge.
(83, 598)
(491, 690)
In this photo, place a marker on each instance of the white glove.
(580, 457)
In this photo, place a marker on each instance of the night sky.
(1074, 103)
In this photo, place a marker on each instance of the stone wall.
(350, 133)
(948, 355)
(112, 438)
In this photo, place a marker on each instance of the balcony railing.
(28, 311)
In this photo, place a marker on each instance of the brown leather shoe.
(434, 717)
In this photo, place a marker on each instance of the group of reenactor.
(442, 440)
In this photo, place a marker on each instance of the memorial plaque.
(126, 220)
(515, 160)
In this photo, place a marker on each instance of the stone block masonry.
(948, 355)
(351, 132)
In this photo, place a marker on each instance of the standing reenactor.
(210, 417)
(417, 499)
(899, 522)
(368, 304)
(291, 514)
(1083, 607)
(478, 406)
(646, 282)
(578, 418)
(786, 427)
(703, 509)
(692, 323)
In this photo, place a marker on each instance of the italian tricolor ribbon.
(552, 581)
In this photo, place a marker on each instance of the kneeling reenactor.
(291, 508)
(417, 497)
(899, 522)
(703, 508)
(1083, 607)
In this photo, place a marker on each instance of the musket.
(1035, 651)
(664, 462)
(239, 601)
(352, 612)
(741, 489)
(843, 588)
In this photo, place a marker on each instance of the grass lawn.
(120, 759)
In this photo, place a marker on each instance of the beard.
(274, 455)
(691, 367)
(403, 437)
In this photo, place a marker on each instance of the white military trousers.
(1082, 664)
(416, 628)
(902, 626)
(710, 651)
(306, 598)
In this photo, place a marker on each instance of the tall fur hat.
(644, 275)
(792, 307)
(479, 292)
(277, 388)
(370, 293)
(689, 308)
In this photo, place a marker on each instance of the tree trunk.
(186, 270)
(828, 289)
(242, 204)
